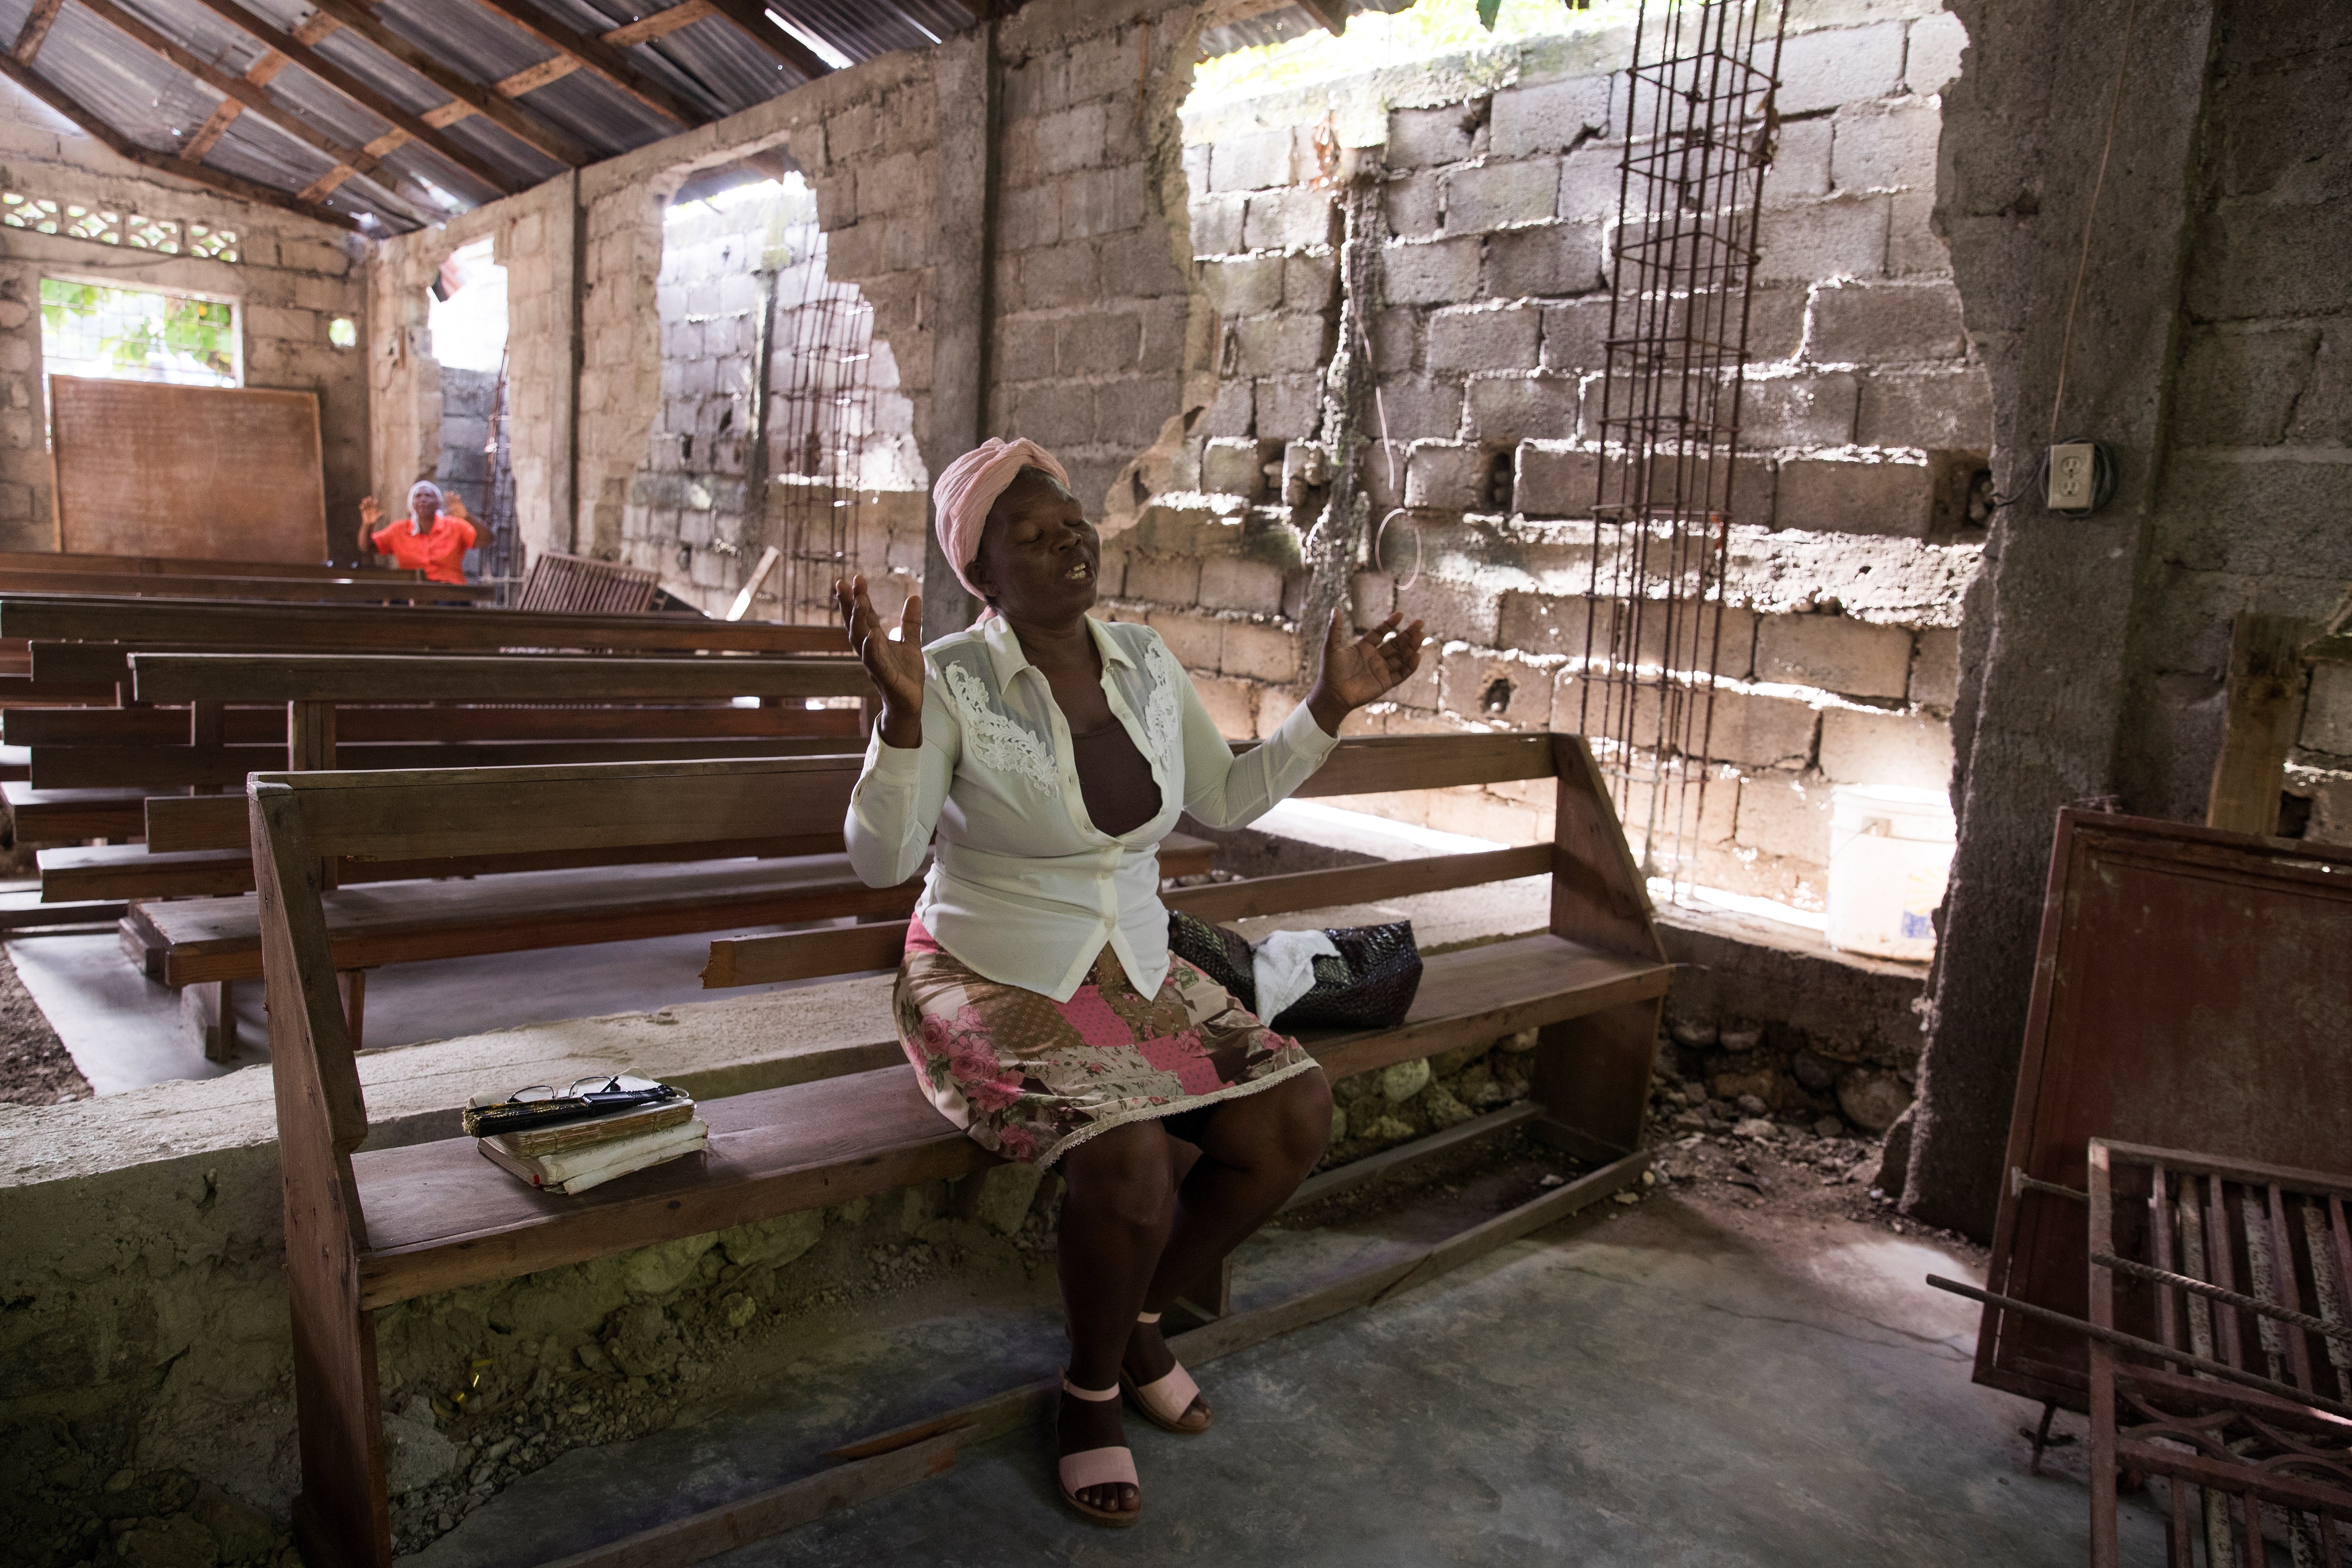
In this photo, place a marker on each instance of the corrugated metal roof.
(709, 67)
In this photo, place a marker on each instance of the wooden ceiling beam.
(36, 31)
(254, 99)
(597, 55)
(288, 48)
(1332, 14)
(660, 25)
(751, 18)
(228, 184)
(471, 97)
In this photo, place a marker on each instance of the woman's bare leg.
(1114, 1227)
(1254, 1153)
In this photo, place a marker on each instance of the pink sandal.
(1097, 1468)
(1166, 1402)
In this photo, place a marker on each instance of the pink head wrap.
(970, 487)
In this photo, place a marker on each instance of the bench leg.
(1210, 1297)
(352, 983)
(1592, 1075)
(342, 1515)
(208, 1016)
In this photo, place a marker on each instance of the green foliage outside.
(154, 328)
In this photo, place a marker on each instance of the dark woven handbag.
(1371, 984)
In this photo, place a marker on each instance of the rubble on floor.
(35, 1068)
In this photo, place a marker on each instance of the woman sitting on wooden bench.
(1037, 998)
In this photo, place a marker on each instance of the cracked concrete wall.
(294, 277)
(1866, 403)
(2206, 351)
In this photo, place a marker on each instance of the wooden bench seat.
(366, 1229)
(41, 815)
(440, 1216)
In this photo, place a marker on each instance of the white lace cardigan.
(1025, 889)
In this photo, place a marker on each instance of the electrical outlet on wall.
(2074, 477)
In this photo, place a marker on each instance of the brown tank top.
(1115, 779)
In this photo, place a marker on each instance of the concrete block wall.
(1094, 310)
(1863, 397)
(467, 399)
(293, 277)
(689, 506)
(2257, 479)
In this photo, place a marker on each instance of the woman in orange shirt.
(433, 542)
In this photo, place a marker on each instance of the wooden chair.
(367, 1229)
(2249, 1266)
(582, 585)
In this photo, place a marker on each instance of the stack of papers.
(573, 1156)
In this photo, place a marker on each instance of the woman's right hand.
(370, 514)
(896, 668)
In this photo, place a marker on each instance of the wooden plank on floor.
(1356, 1173)
(1399, 1268)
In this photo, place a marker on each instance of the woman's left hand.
(1362, 669)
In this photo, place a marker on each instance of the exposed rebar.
(1698, 130)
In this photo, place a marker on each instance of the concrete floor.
(123, 1030)
(1682, 1383)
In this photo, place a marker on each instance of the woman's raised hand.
(370, 514)
(896, 668)
(1357, 670)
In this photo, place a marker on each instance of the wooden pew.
(365, 1230)
(214, 940)
(181, 566)
(87, 640)
(358, 588)
(109, 798)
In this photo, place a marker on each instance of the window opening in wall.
(467, 314)
(820, 414)
(133, 334)
(344, 332)
(106, 225)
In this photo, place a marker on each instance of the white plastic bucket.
(1890, 853)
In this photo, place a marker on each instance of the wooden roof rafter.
(350, 160)
(36, 31)
(243, 190)
(296, 48)
(597, 55)
(467, 97)
(751, 18)
(1332, 14)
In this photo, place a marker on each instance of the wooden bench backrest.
(366, 588)
(177, 565)
(482, 677)
(1597, 895)
(99, 618)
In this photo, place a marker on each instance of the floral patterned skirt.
(1030, 1077)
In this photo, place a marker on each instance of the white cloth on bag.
(1284, 964)
(1023, 887)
